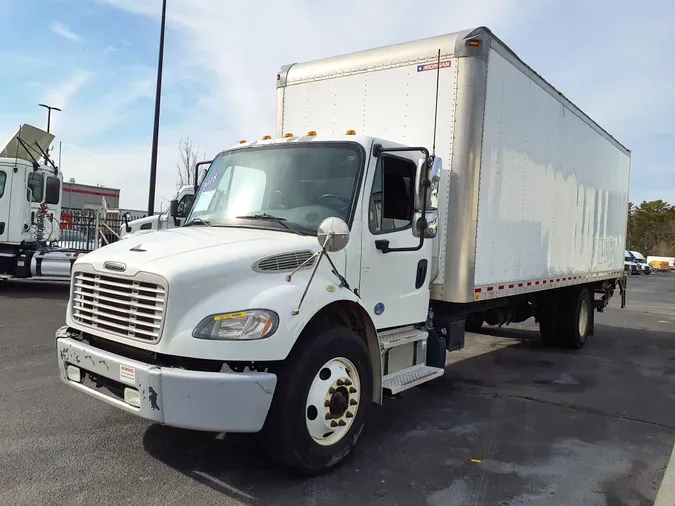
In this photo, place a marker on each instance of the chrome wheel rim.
(333, 401)
(583, 318)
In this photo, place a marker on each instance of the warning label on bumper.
(127, 374)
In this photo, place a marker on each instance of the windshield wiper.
(268, 217)
(197, 221)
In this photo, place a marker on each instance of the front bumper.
(210, 401)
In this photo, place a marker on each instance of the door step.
(398, 337)
(410, 377)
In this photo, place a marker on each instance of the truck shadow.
(512, 418)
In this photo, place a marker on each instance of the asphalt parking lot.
(511, 423)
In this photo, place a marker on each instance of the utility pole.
(155, 133)
(49, 114)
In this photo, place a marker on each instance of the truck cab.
(184, 198)
(273, 299)
(30, 197)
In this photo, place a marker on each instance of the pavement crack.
(576, 407)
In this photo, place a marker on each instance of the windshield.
(303, 185)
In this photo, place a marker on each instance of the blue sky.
(96, 59)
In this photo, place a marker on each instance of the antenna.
(438, 79)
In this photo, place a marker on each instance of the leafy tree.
(651, 228)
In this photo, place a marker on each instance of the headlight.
(242, 325)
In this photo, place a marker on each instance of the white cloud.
(60, 95)
(60, 29)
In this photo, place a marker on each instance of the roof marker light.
(350, 132)
(311, 133)
(243, 141)
(289, 134)
(267, 137)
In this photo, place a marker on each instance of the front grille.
(121, 306)
(283, 261)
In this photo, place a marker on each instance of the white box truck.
(239, 321)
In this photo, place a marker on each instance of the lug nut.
(329, 416)
(326, 404)
(334, 423)
(349, 414)
(352, 390)
(340, 382)
(331, 390)
(352, 402)
(348, 382)
(342, 423)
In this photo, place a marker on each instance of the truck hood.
(189, 251)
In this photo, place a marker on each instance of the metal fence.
(87, 230)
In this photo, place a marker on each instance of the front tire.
(321, 401)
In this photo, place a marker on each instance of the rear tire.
(328, 379)
(576, 318)
(547, 315)
(474, 322)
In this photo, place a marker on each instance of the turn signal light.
(311, 133)
(243, 141)
(350, 132)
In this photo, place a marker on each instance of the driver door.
(394, 286)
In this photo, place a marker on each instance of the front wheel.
(321, 400)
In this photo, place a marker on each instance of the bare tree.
(188, 154)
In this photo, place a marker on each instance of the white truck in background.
(184, 199)
(447, 185)
(30, 210)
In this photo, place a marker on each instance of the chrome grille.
(283, 262)
(124, 307)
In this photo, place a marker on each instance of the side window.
(52, 190)
(3, 180)
(35, 184)
(392, 198)
(184, 205)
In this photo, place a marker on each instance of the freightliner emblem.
(115, 266)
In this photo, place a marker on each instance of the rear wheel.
(547, 316)
(320, 402)
(576, 318)
(474, 322)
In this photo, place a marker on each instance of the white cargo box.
(534, 193)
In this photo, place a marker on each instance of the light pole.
(155, 133)
(49, 113)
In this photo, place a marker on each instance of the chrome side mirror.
(332, 234)
(431, 171)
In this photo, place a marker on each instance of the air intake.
(283, 262)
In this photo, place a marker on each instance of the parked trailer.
(239, 322)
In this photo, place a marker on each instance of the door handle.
(382, 245)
